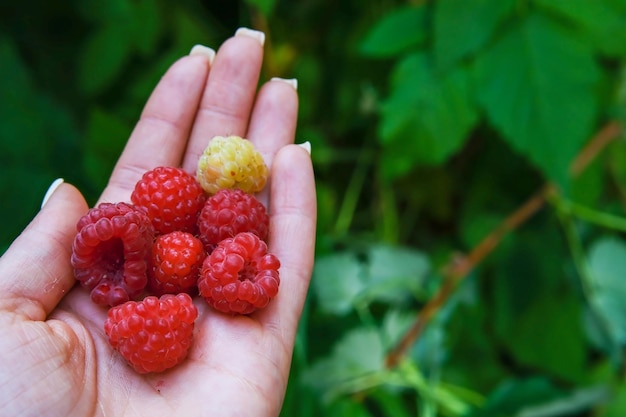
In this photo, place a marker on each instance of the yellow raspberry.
(231, 162)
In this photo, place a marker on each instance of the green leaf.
(528, 276)
(35, 127)
(616, 154)
(607, 263)
(380, 273)
(106, 137)
(617, 405)
(513, 395)
(359, 353)
(393, 272)
(191, 28)
(337, 280)
(569, 404)
(396, 32)
(549, 336)
(427, 116)
(464, 349)
(395, 325)
(618, 102)
(143, 83)
(602, 22)
(146, 26)
(478, 225)
(103, 57)
(23, 136)
(346, 408)
(537, 84)
(462, 27)
(37, 135)
(265, 6)
(22, 189)
(104, 10)
(430, 352)
(390, 403)
(588, 187)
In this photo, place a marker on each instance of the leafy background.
(471, 178)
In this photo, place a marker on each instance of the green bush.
(471, 179)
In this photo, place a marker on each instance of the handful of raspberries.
(183, 234)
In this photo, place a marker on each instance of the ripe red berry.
(175, 263)
(171, 197)
(229, 212)
(153, 334)
(239, 276)
(110, 252)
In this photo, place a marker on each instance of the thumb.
(35, 272)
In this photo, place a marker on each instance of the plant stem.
(605, 135)
(351, 198)
(455, 271)
(578, 253)
(565, 212)
(590, 215)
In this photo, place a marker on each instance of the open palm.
(54, 356)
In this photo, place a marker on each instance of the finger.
(292, 237)
(160, 136)
(273, 121)
(35, 272)
(274, 117)
(229, 94)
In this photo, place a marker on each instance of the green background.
(432, 124)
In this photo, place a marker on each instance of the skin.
(54, 356)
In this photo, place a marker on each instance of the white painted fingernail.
(205, 51)
(306, 146)
(291, 81)
(55, 184)
(258, 35)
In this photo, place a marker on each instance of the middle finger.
(229, 95)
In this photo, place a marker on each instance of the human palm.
(54, 356)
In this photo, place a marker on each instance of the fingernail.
(51, 190)
(306, 146)
(291, 81)
(203, 51)
(258, 35)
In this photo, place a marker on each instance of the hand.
(54, 356)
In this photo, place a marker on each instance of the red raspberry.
(154, 334)
(110, 252)
(171, 197)
(175, 264)
(229, 212)
(239, 276)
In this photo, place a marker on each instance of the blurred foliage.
(431, 122)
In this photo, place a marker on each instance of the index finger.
(229, 95)
(160, 136)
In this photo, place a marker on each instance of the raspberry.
(231, 162)
(154, 334)
(230, 212)
(171, 197)
(110, 252)
(175, 264)
(239, 276)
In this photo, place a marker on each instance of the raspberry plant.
(445, 119)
